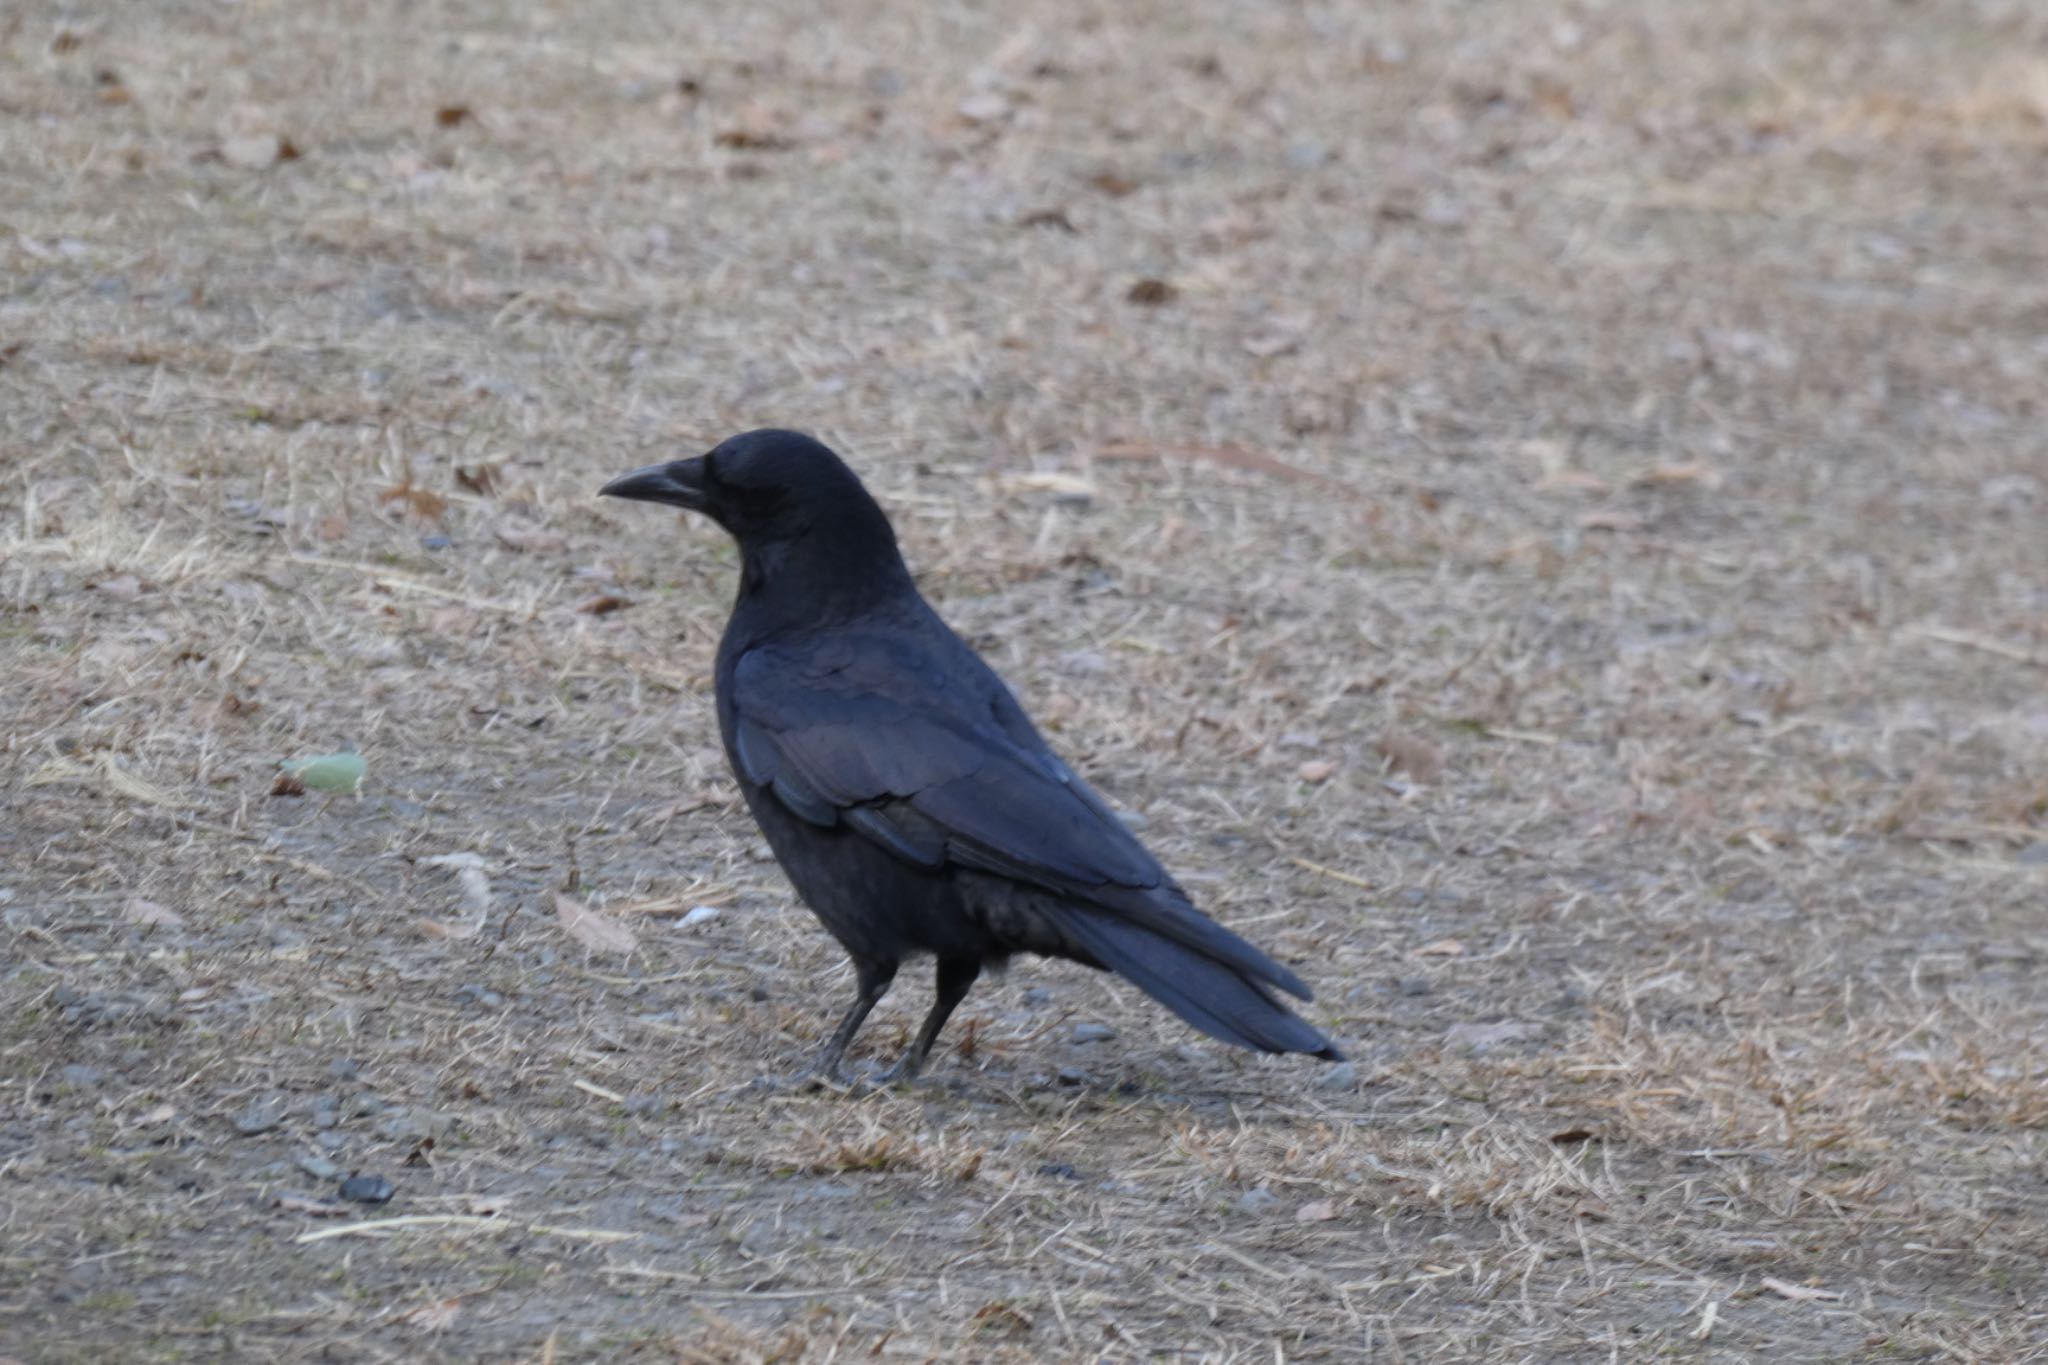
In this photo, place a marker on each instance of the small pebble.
(368, 1189)
(319, 1167)
(1038, 997)
(1093, 1033)
(343, 1068)
(1072, 1075)
(330, 1141)
(260, 1116)
(699, 914)
(1415, 985)
(1342, 1076)
(1257, 1200)
(435, 542)
(80, 1076)
(1059, 1169)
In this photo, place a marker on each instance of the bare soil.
(1538, 508)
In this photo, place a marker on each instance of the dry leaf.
(1321, 1211)
(1407, 753)
(1574, 1135)
(452, 115)
(149, 912)
(591, 929)
(287, 785)
(480, 479)
(603, 604)
(420, 501)
(1112, 184)
(1610, 521)
(1443, 947)
(1152, 293)
(1799, 1293)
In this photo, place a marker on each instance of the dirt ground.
(1538, 508)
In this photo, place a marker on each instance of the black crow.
(909, 798)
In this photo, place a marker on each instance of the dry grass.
(1558, 556)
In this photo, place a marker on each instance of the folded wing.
(910, 741)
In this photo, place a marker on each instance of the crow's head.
(764, 486)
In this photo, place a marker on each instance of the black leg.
(956, 978)
(872, 980)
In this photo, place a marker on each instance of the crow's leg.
(956, 978)
(872, 982)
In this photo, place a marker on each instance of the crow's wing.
(906, 737)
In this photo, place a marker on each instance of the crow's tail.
(1213, 996)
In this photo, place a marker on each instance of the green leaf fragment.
(341, 772)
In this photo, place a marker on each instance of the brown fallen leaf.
(452, 115)
(1114, 185)
(1152, 293)
(420, 501)
(1411, 754)
(603, 604)
(1569, 1135)
(287, 785)
(592, 930)
(480, 479)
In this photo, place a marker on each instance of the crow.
(905, 793)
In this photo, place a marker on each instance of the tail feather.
(1212, 996)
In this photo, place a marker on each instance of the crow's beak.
(679, 483)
